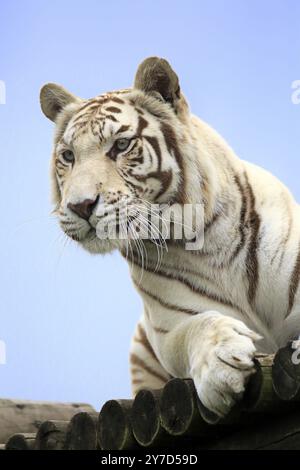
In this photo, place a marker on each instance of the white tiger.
(205, 311)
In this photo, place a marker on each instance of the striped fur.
(205, 311)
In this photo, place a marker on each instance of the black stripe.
(242, 239)
(93, 103)
(282, 245)
(116, 99)
(144, 341)
(164, 304)
(252, 267)
(197, 290)
(141, 126)
(111, 118)
(137, 361)
(172, 146)
(122, 129)
(294, 282)
(113, 109)
(153, 141)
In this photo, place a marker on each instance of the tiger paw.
(224, 364)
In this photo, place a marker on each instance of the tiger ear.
(54, 98)
(155, 75)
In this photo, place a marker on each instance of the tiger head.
(122, 148)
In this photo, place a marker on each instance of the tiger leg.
(145, 369)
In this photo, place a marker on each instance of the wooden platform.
(268, 417)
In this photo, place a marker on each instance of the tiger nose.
(85, 208)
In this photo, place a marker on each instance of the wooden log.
(21, 442)
(181, 417)
(146, 419)
(51, 435)
(260, 396)
(147, 425)
(114, 426)
(286, 372)
(179, 409)
(280, 432)
(21, 416)
(82, 432)
(182, 413)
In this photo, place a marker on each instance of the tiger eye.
(122, 144)
(68, 156)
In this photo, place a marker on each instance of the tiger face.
(117, 154)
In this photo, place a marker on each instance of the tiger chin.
(207, 311)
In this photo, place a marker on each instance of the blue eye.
(68, 156)
(122, 144)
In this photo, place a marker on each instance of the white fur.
(216, 346)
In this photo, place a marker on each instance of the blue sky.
(66, 316)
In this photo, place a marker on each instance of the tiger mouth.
(90, 232)
(77, 238)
